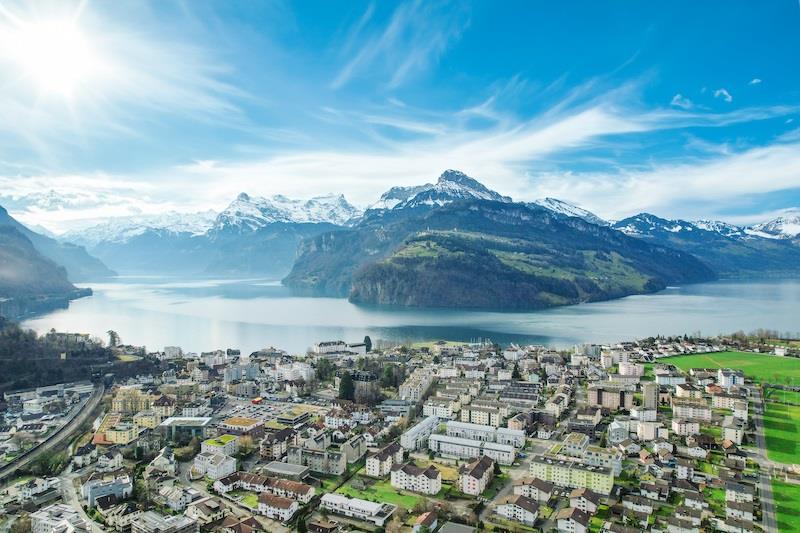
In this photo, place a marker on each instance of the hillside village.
(438, 436)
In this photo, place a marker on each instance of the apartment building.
(684, 428)
(441, 408)
(380, 463)
(415, 479)
(467, 448)
(120, 487)
(520, 509)
(417, 436)
(691, 409)
(612, 398)
(572, 474)
(465, 430)
(416, 385)
(486, 416)
(323, 461)
(474, 477)
(214, 465)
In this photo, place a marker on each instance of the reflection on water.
(250, 314)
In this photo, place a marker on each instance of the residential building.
(380, 463)
(486, 433)
(612, 398)
(250, 482)
(416, 479)
(417, 436)
(323, 461)
(121, 487)
(535, 489)
(650, 394)
(214, 465)
(684, 428)
(691, 409)
(58, 518)
(467, 448)
(376, 513)
(275, 444)
(417, 384)
(572, 520)
(227, 444)
(207, 510)
(572, 474)
(152, 522)
(474, 477)
(276, 507)
(520, 509)
(486, 416)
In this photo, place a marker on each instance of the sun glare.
(55, 55)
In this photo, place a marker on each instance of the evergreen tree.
(368, 342)
(346, 387)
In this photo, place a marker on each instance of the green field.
(382, 491)
(780, 395)
(250, 499)
(781, 429)
(760, 367)
(787, 503)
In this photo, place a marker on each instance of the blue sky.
(684, 109)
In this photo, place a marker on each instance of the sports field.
(760, 367)
(781, 429)
(787, 503)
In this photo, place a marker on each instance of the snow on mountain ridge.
(783, 227)
(567, 209)
(122, 229)
(250, 213)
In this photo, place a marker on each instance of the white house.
(415, 479)
(520, 509)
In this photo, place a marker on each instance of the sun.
(55, 55)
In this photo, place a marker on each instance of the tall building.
(610, 397)
(650, 394)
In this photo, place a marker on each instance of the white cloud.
(417, 34)
(755, 81)
(724, 94)
(681, 101)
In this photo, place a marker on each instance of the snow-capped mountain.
(397, 195)
(249, 213)
(567, 209)
(723, 228)
(122, 229)
(647, 224)
(783, 227)
(451, 186)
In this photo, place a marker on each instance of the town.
(662, 435)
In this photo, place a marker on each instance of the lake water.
(251, 314)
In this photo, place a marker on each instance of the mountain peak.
(243, 197)
(452, 185)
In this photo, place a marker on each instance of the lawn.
(382, 491)
(759, 367)
(249, 499)
(787, 503)
(449, 473)
(781, 428)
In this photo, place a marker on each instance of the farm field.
(780, 395)
(781, 428)
(787, 502)
(759, 367)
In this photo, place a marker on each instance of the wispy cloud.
(681, 101)
(755, 81)
(724, 94)
(416, 35)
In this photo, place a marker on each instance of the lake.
(204, 315)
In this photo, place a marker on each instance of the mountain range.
(452, 243)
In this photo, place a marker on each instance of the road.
(69, 493)
(765, 479)
(54, 440)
